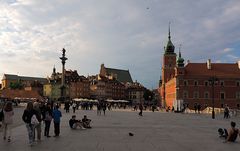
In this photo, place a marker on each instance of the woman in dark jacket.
(26, 117)
(47, 120)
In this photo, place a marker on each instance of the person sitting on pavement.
(86, 122)
(74, 123)
(232, 133)
(223, 133)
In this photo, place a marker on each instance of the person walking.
(99, 108)
(74, 105)
(26, 117)
(7, 121)
(67, 106)
(141, 110)
(47, 120)
(56, 118)
(37, 127)
(104, 107)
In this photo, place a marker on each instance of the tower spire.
(180, 60)
(169, 49)
(179, 53)
(169, 31)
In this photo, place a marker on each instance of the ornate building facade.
(193, 83)
(76, 86)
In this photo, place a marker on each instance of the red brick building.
(193, 82)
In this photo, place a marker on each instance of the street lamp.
(212, 81)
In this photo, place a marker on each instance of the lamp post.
(212, 81)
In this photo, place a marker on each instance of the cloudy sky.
(125, 34)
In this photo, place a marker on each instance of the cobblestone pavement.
(156, 131)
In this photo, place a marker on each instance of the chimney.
(188, 61)
(238, 64)
(209, 64)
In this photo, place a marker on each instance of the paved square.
(153, 132)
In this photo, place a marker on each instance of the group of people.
(33, 116)
(230, 135)
(76, 123)
(101, 106)
(36, 113)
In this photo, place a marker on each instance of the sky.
(122, 34)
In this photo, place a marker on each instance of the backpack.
(1, 116)
(48, 117)
(34, 120)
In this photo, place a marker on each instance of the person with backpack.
(28, 113)
(7, 120)
(37, 128)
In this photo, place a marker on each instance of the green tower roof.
(169, 49)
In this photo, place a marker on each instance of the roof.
(122, 75)
(16, 77)
(217, 69)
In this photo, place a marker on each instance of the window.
(185, 83)
(185, 94)
(238, 83)
(237, 95)
(222, 95)
(196, 95)
(206, 95)
(195, 83)
(206, 83)
(222, 83)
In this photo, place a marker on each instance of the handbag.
(34, 120)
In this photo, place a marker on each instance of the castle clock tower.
(168, 66)
(169, 60)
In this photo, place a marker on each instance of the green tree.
(16, 85)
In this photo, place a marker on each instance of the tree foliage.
(16, 85)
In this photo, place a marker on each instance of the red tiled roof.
(217, 69)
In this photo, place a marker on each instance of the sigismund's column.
(63, 87)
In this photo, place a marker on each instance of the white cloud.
(122, 34)
(227, 50)
(233, 56)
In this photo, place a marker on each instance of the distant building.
(135, 92)
(26, 83)
(192, 82)
(104, 88)
(9, 79)
(120, 75)
(76, 86)
(110, 83)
